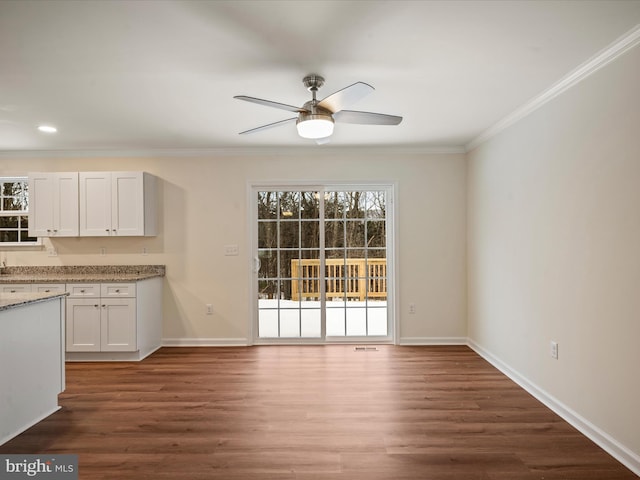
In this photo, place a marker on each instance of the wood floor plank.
(311, 413)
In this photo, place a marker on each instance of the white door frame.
(392, 310)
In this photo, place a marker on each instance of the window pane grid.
(14, 208)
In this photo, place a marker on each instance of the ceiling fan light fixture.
(314, 126)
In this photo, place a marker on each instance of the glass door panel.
(355, 235)
(288, 248)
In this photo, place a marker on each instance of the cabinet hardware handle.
(13, 291)
(106, 230)
(117, 290)
(82, 291)
(103, 306)
(47, 291)
(96, 306)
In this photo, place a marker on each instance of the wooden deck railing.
(357, 278)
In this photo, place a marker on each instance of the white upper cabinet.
(117, 204)
(53, 204)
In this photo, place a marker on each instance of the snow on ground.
(302, 319)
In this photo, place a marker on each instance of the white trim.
(595, 63)
(27, 426)
(621, 453)
(205, 342)
(108, 356)
(425, 341)
(280, 151)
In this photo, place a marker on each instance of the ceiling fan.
(316, 119)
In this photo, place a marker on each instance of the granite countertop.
(13, 300)
(80, 273)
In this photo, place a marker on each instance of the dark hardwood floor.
(310, 413)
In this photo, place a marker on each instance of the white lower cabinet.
(113, 321)
(101, 323)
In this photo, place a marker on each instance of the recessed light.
(47, 129)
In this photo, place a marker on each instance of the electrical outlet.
(209, 308)
(412, 308)
(145, 251)
(554, 350)
(52, 252)
(103, 251)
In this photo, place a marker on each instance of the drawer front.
(48, 287)
(115, 290)
(82, 290)
(14, 288)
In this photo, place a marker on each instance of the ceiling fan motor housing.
(313, 82)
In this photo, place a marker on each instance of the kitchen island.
(31, 359)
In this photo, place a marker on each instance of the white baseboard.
(621, 453)
(27, 426)
(243, 342)
(432, 341)
(205, 342)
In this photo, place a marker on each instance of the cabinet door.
(95, 204)
(41, 205)
(83, 325)
(127, 203)
(118, 325)
(65, 212)
(53, 204)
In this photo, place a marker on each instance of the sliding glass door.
(322, 269)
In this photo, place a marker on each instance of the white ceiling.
(152, 74)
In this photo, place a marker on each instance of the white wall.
(554, 251)
(203, 207)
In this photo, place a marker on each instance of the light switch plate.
(230, 250)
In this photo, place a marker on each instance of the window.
(14, 210)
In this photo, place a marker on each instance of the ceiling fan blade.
(269, 125)
(345, 97)
(269, 103)
(366, 118)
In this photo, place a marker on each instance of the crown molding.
(595, 63)
(234, 152)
